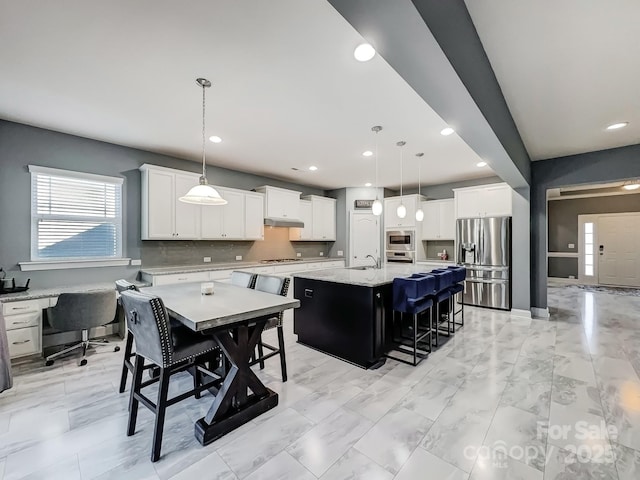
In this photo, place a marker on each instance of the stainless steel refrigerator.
(484, 248)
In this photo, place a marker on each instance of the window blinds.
(75, 215)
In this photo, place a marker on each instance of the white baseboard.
(564, 281)
(539, 312)
(515, 312)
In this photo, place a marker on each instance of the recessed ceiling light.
(615, 126)
(313, 168)
(367, 153)
(215, 139)
(447, 131)
(364, 52)
(481, 164)
(367, 184)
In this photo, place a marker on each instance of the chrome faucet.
(375, 260)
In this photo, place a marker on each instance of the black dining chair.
(157, 344)
(277, 286)
(127, 363)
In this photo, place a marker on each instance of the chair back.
(123, 285)
(459, 273)
(410, 294)
(275, 285)
(444, 278)
(82, 311)
(243, 279)
(148, 321)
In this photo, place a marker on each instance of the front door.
(618, 250)
(365, 238)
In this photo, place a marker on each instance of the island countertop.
(369, 277)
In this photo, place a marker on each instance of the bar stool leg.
(133, 400)
(127, 360)
(161, 408)
(415, 339)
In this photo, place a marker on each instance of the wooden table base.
(234, 405)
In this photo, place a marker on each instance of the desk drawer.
(31, 319)
(23, 341)
(15, 308)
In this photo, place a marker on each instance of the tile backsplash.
(276, 244)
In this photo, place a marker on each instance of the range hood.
(283, 222)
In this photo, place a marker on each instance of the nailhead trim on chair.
(280, 316)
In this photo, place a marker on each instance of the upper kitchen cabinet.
(224, 222)
(254, 216)
(439, 220)
(391, 204)
(280, 203)
(163, 216)
(319, 217)
(306, 215)
(493, 200)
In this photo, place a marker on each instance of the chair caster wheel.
(48, 363)
(83, 362)
(116, 349)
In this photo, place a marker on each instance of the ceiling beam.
(400, 35)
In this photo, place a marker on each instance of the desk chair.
(82, 311)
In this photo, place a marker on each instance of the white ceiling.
(286, 92)
(567, 69)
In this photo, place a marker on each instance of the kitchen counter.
(36, 293)
(370, 277)
(228, 265)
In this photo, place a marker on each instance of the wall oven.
(400, 257)
(400, 240)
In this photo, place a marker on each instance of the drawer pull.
(21, 342)
(20, 322)
(20, 308)
(183, 278)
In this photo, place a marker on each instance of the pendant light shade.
(203, 193)
(401, 211)
(376, 207)
(419, 212)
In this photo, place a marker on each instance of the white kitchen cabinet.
(323, 226)
(439, 220)
(280, 202)
(391, 204)
(306, 215)
(493, 200)
(224, 222)
(254, 216)
(164, 217)
(23, 322)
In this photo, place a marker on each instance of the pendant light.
(419, 212)
(376, 207)
(402, 210)
(203, 193)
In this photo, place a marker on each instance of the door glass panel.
(588, 249)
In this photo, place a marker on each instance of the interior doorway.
(610, 249)
(365, 238)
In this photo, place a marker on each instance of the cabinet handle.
(21, 342)
(183, 278)
(20, 322)
(19, 308)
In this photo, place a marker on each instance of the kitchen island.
(342, 311)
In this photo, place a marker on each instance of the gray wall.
(22, 145)
(588, 168)
(563, 267)
(563, 216)
(445, 190)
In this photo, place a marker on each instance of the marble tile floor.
(505, 398)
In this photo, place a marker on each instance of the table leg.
(234, 406)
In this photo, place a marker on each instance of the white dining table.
(235, 317)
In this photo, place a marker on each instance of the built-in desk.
(28, 332)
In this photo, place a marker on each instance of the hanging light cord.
(204, 168)
(376, 165)
(419, 171)
(401, 162)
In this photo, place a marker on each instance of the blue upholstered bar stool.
(459, 276)
(412, 296)
(442, 294)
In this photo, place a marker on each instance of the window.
(588, 249)
(75, 216)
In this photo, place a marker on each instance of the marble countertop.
(370, 277)
(36, 293)
(228, 266)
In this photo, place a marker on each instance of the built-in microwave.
(400, 240)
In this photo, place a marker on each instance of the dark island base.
(342, 320)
